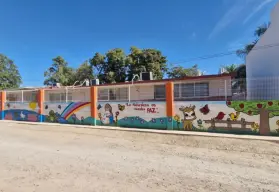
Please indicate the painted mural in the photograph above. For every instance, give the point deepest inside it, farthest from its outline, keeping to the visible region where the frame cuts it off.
(149, 115)
(21, 112)
(239, 117)
(68, 113)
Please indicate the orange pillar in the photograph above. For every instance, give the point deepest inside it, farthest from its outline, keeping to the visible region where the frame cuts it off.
(3, 100)
(94, 100)
(41, 99)
(170, 104)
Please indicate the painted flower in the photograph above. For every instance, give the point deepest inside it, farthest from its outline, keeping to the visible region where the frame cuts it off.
(117, 113)
(170, 119)
(277, 122)
(126, 118)
(162, 121)
(177, 118)
(137, 117)
(199, 122)
(132, 119)
(153, 120)
(100, 115)
(142, 121)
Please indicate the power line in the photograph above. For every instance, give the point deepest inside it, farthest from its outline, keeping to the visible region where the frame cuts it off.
(224, 54)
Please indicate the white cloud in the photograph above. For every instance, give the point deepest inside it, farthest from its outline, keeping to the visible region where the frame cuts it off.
(237, 10)
(257, 9)
(228, 18)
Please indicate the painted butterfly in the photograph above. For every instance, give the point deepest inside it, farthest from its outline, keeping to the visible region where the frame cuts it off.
(205, 110)
(46, 107)
(99, 107)
(121, 107)
(59, 106)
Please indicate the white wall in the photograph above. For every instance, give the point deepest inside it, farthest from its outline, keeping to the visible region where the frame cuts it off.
(263, 63)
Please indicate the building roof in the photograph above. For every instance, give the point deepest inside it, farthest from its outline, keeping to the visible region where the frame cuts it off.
(197, 78)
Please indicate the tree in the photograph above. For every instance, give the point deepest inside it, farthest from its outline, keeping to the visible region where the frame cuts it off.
(9, 74)
(111, 67)
(150, 60)
(258, 33)
(59, 72)
(261, 29)
(180, 72)
(266, 110)
(83, 72)
(116, 66)
(230, 68)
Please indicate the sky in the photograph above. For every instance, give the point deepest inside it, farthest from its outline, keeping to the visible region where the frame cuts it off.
(32, 32)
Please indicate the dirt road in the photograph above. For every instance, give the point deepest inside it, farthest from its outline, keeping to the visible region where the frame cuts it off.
(49, 158)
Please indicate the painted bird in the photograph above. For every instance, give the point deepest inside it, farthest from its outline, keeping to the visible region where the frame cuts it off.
(235, 116)
(205, 110)
(220, 116)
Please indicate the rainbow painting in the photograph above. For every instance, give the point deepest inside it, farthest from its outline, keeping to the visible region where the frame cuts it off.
(72, 108)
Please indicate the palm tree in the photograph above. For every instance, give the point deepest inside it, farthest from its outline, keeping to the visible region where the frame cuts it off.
(261, 29)
(246, 50)
(258, 33)
(230, 68)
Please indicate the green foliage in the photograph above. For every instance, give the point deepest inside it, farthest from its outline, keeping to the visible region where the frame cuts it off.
(9, 74)
(253, 107)
(116, 66)
(59, 72)
(258, 33)
(180, 72)
(230, 68)
(141, 60)
(111, 67)
(83, 72)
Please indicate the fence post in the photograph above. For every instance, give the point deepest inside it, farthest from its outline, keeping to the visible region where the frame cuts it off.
(3, 101)
(226, 91)
(41, 99)
(170, 104)
(94, 100)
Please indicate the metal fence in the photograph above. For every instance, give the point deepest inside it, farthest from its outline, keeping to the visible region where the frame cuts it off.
(204, 90)
(67, 94)
(133, 92)
(22, 96)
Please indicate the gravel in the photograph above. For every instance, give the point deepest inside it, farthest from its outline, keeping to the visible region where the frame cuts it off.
(56, 158)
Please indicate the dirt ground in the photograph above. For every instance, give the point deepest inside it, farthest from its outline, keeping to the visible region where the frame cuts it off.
(54, 158)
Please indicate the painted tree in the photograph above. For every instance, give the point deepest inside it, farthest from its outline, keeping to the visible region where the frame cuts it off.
(266, 110)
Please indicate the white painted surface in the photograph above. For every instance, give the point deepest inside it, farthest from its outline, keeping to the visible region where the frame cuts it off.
(263, 63)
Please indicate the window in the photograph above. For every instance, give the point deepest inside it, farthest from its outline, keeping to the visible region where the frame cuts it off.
(30, 96)
(113, 94)
(160, 92)
(60, 97)
(103, 94)
(201, 89)
(12, 97)
(176, 90)
(188, 90)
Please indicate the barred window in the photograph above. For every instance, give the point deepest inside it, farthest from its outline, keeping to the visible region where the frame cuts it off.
(201, 89)
(60, 97)
(113, 94)
(159, 91)
(188, 90)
